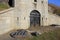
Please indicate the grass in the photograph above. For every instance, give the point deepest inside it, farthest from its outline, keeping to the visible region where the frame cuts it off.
(52, 35)
(3, 6)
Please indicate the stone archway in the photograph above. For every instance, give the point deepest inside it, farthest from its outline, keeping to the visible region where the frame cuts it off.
(35, 18)
(11, 3)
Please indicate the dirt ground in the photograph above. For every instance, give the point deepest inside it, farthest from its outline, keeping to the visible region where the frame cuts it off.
(40, 29)
(43, 29)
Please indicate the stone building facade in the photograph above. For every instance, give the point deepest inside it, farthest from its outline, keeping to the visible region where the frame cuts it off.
(31, 12)
(24, 14)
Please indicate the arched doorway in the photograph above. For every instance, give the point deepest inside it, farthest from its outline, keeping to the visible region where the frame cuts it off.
(11, 3)
(35, 18)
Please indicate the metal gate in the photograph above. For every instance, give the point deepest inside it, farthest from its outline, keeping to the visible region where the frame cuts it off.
(34, 18)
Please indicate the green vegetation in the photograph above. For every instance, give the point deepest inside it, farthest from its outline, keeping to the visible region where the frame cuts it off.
(3, 6)
(58, 12)
(52, 35)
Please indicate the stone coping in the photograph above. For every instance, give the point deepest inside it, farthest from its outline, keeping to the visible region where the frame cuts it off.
(4, 11)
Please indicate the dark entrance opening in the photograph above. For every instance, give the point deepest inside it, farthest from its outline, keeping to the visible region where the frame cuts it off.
(35, 0)
(35, 18)
(11, 3)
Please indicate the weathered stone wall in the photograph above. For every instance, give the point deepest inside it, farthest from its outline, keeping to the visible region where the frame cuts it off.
(6, 20)
(24, 8)
(19, 17)
(53, 19)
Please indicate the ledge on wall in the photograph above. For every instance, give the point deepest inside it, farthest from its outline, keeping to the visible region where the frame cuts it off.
(6, 10)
